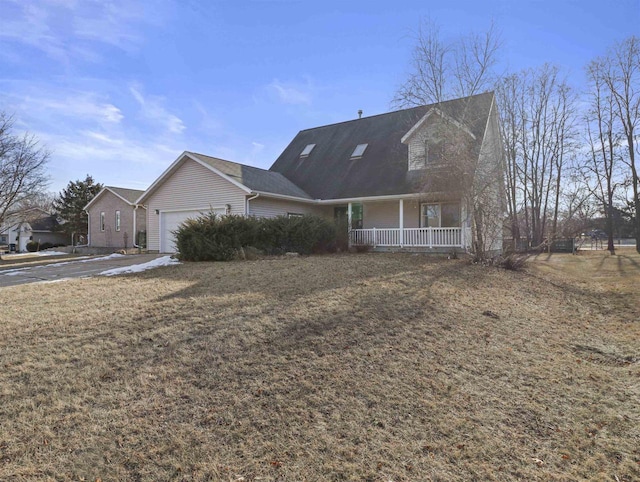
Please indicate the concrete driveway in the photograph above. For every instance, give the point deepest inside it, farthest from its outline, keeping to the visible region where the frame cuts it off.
(70, 268)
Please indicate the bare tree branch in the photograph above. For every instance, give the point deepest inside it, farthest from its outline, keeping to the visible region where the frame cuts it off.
(22, 167)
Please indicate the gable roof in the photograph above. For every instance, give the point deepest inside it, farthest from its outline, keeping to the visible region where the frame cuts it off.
(36, 218)
(45, 223)
(248, 178)
(329, 172)
(254, 178)
(127, 195)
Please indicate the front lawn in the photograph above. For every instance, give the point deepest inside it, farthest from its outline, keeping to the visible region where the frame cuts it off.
(367, 367)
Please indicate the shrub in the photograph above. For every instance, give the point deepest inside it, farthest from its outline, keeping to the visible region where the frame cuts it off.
(32, 246)
(513, 261)
(220, 238)
(141, 239)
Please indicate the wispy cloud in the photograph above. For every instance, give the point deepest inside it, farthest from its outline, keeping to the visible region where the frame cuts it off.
(292, 93)
(67, 30)
(152, 109)
(54, 105)
(116, 139)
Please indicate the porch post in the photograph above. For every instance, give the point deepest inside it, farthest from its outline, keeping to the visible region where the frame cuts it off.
(349, 212)
(401, 223)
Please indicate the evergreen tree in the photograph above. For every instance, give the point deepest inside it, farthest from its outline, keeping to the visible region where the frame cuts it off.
(69, 205)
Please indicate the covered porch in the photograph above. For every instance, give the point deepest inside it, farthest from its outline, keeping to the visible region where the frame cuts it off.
(412, 222)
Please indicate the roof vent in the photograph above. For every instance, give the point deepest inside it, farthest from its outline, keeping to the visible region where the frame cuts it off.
(359, 113)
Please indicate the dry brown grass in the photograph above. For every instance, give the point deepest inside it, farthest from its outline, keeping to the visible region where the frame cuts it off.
(353, 367)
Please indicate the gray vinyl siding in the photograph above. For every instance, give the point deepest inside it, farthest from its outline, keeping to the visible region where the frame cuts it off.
(418, 158)
(387, 214)
(190, 186)
(265, 207)
(490, 172)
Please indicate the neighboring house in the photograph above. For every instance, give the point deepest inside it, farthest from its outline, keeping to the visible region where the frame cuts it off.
(115, 219)
(414, 178)
(30, 225)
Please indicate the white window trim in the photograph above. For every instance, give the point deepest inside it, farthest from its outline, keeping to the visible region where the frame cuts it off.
(439, 204)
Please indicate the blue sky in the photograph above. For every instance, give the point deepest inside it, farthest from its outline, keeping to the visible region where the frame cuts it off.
(119, 88)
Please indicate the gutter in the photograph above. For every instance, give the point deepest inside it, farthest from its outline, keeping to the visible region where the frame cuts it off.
(325, 202)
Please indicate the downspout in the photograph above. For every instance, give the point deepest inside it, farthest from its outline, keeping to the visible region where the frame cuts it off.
(246, 209)
(88, 229)
(135, 232)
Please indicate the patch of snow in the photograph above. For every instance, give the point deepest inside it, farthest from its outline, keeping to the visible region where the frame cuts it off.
(12, 272)
(81, 259)
(138, 268)
(34, 254)
(84, 259)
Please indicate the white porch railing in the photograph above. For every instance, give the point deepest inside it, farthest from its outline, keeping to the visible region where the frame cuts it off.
(411, 237)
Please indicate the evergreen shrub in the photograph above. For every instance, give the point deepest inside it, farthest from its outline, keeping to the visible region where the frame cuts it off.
(213, 237)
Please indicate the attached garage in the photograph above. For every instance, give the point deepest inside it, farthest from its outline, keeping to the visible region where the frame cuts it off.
(170, 221)
(196, 184)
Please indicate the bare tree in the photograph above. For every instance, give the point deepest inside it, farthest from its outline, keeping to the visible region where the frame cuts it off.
(442, 70)
(510, 93)
(577, 204)
(622, 77)
(602, 170)
(460, 68)
(539, 114)
(22, 167)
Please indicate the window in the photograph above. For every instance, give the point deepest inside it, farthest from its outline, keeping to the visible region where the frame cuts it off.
(294, 215)
(359, 151)
(433, 152)
(102, 221)
(307, 150)
(450, 213)
(3, 239)
(356, 216)
(117, 220)
(444, 215)
(430, 217)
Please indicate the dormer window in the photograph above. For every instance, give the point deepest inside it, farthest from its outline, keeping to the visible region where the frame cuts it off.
(307, 150)
(359, 151)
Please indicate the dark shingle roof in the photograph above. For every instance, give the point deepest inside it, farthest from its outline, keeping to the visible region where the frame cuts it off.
(254, 178)
(130, 195)
(44, 223)
(329, 173)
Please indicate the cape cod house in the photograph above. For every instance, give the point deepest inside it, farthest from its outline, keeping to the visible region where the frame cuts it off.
(419, 178)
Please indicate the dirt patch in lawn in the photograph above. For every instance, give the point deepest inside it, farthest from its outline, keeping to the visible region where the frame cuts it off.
(350, 367)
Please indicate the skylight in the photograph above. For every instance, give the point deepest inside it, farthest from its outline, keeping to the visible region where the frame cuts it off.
(359, 151)
(307, 150)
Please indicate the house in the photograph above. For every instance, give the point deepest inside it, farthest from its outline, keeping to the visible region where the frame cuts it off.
(115, 219)
(427, 178)
(33, 224)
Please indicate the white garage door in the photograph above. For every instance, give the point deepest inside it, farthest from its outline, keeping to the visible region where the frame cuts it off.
(170, 221)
